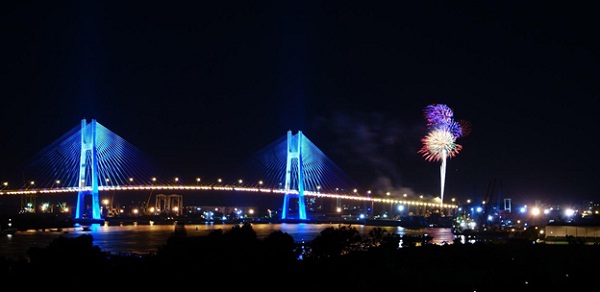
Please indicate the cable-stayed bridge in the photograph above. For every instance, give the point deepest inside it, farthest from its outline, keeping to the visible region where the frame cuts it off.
(90, 159)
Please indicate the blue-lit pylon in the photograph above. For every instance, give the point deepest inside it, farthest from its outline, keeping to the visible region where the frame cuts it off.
(88, 173)
(294, 155)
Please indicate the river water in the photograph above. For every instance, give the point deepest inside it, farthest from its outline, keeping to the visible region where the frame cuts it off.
(144, 239)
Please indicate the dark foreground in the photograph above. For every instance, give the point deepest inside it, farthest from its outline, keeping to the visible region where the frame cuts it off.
(339, 259)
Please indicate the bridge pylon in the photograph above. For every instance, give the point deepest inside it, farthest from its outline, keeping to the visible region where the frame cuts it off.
(294, 162)
(88, 175)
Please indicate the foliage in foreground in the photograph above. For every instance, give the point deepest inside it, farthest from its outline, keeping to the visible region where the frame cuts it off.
(338, 259)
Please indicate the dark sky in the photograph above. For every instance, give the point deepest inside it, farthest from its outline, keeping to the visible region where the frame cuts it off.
(202, 85)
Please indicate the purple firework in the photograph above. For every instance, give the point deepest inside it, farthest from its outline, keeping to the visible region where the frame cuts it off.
(438, 115)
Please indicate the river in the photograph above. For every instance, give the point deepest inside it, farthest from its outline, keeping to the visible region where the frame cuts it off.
(144, 239)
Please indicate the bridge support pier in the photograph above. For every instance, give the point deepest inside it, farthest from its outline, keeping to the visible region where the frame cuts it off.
(88, 175)
(294, 162)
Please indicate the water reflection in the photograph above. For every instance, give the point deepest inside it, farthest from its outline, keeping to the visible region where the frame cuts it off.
(147, 238)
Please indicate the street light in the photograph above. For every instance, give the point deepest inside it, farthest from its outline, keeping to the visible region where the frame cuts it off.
(105, 203)
(372, 203)
(454, 211)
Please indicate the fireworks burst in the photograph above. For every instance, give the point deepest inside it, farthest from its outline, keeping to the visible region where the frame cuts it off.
(438, 114)
(440, 142)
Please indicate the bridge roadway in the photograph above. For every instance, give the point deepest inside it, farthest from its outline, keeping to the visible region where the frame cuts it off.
(378, 200)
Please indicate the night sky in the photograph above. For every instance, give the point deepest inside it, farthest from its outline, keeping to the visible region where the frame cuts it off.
(202, 85)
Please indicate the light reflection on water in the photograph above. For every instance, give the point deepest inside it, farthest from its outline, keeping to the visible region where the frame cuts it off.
(145, 238)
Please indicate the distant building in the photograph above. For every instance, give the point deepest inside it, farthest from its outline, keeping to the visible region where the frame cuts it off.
(584, 230)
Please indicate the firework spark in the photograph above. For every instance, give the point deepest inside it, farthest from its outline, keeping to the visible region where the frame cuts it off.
(438, 144)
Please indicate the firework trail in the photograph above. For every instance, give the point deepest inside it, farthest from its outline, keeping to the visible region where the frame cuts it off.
(440, 142)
